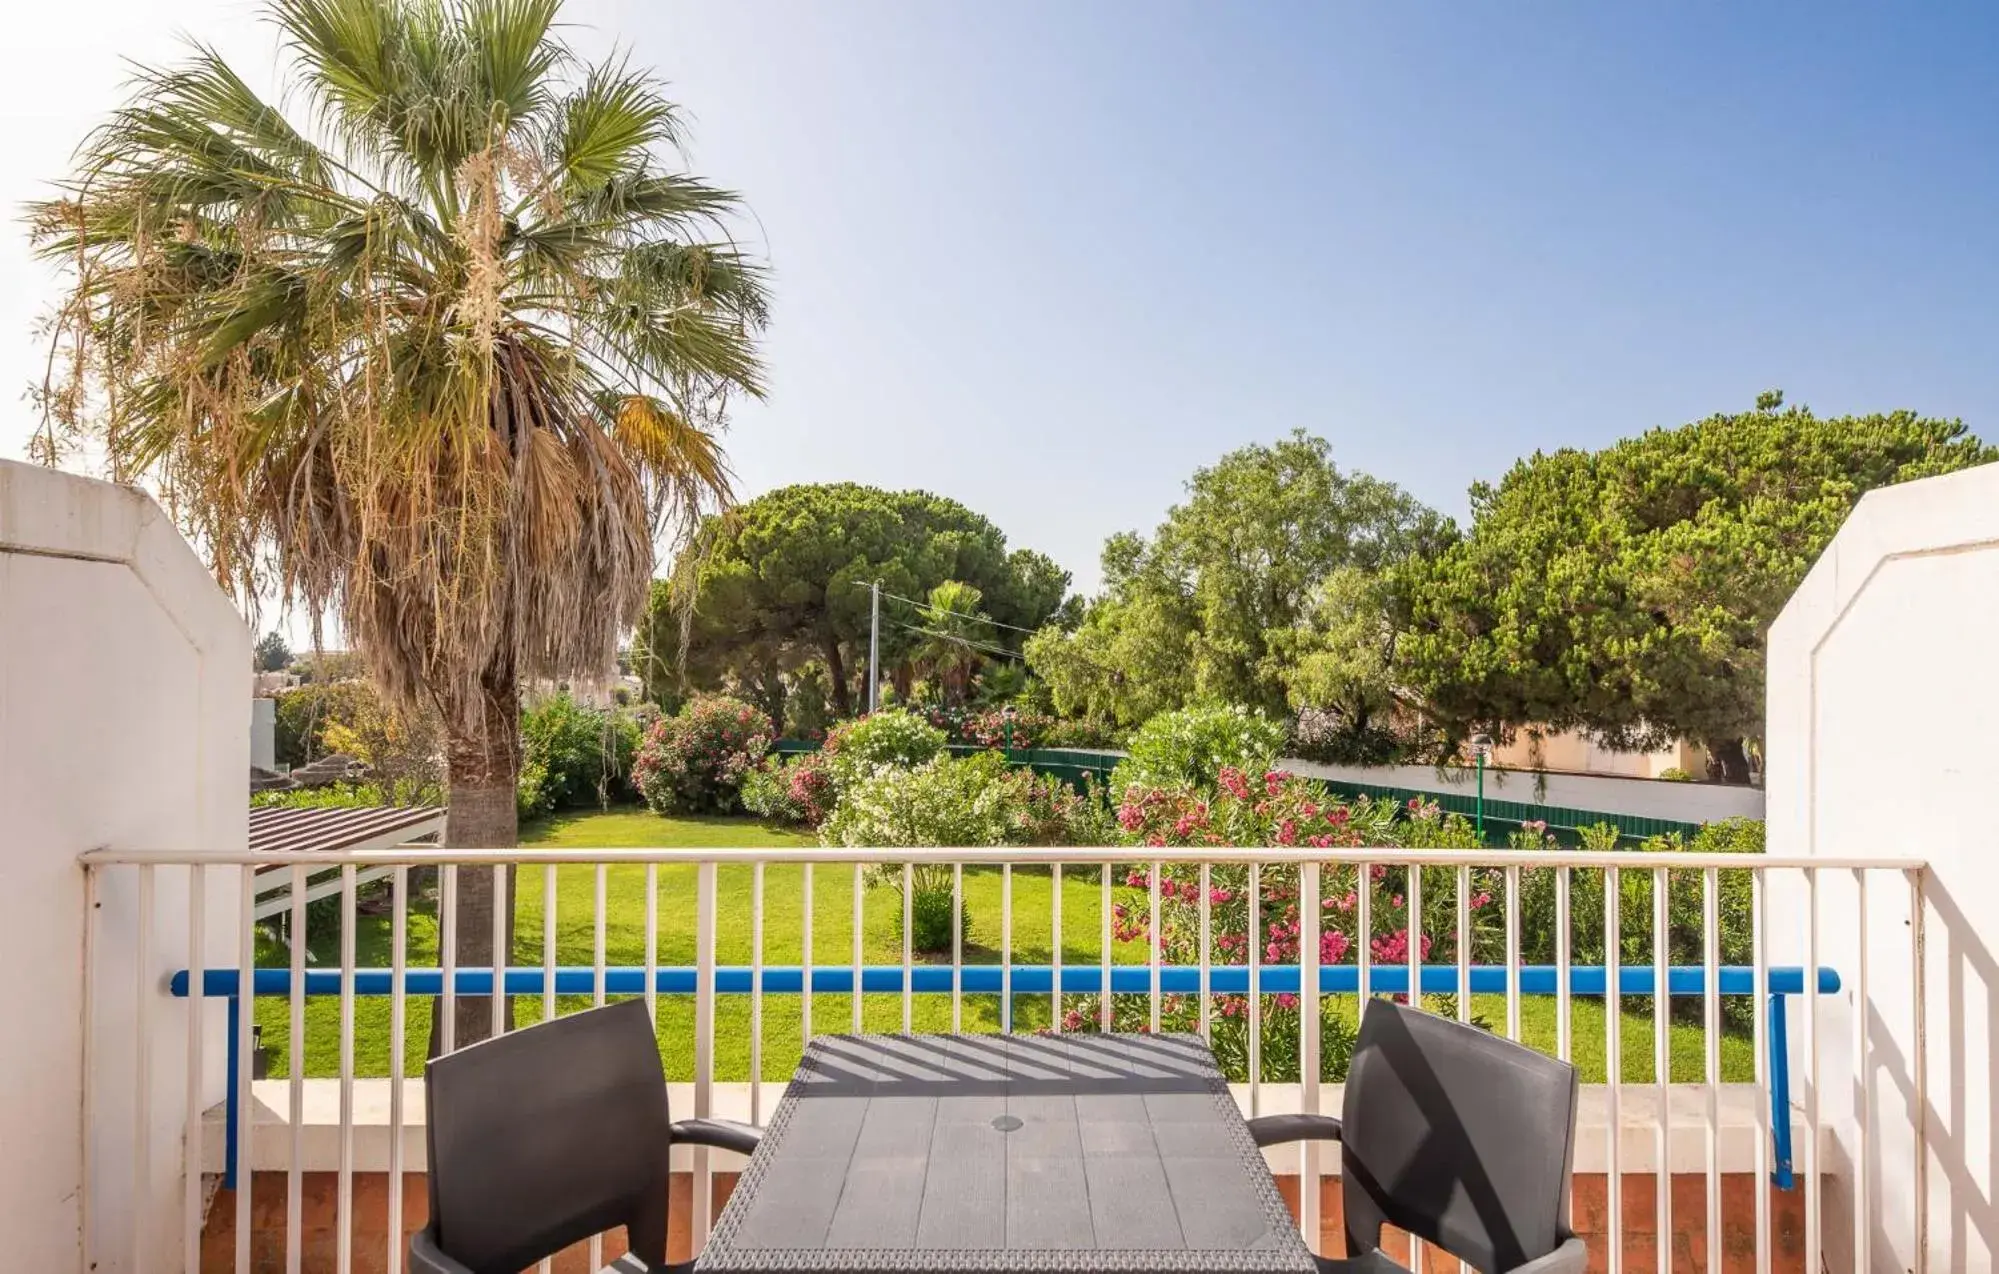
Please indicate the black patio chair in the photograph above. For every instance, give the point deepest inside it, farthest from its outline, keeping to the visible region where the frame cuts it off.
(1454, 1134)
(549, 1135)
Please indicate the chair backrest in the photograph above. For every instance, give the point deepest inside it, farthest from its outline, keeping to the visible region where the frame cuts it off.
(548, 1135)
(1457, 1136)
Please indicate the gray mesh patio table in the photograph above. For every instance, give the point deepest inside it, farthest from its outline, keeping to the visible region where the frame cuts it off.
(1119, 1153)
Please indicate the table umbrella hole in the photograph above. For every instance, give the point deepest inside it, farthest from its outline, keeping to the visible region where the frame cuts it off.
(1006, 1123)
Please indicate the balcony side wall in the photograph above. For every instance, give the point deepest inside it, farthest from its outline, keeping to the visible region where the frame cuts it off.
(124, 705)
(1883, 738)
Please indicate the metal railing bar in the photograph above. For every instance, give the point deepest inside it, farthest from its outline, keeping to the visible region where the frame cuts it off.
(343, 1245)
(1015, 855)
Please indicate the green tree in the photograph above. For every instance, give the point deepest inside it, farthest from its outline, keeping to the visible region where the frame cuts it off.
(1127, 661)
(782, 580)
(442, 350)
(1628, 591)
(1192, 612)
(272, 654)
(1339, 660)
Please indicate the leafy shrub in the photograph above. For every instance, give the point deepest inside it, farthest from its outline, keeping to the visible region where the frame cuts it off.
(332, 796)
(694, 762)
(1188, 747)
(794, 790)
(303, 713)
(987, 728)
(1076, 734)
(946, 801)
(1674, 774)
(401, 750)
(890, 737)
(574, 755)
(930, 920)
(1048, 811)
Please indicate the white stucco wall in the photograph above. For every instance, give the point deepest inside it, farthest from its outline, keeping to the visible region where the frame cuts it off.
(1642, 798)
(124, 688)
(1883, 737)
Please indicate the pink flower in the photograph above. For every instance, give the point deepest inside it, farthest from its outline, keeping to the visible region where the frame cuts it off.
(1395, 900)
(1481, 899)
(1273, 782)
(1286, 1000)
(1333, 946)
(1234, 782)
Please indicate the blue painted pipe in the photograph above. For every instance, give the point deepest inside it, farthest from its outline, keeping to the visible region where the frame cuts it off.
(1028, 979)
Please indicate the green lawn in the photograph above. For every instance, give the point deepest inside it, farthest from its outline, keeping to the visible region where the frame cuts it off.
(832, 933)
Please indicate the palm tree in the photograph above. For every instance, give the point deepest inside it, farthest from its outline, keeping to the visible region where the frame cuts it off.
(441, 354)
(953, 624)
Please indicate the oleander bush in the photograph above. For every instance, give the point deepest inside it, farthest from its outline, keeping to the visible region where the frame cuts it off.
(1188, 747)
(891, 737)
(694, 762)
(797, 790)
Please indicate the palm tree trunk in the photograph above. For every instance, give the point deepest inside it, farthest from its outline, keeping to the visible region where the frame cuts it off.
(482, 767)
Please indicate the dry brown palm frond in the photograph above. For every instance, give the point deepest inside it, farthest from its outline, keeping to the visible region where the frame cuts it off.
(445, 357)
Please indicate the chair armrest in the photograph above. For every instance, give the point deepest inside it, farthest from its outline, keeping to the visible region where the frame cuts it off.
(725, 1134)
(427, 1258)
(1277, 1130)
(1570, 1258)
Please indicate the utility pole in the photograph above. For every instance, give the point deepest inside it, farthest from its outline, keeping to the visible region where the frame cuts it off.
(874, 642)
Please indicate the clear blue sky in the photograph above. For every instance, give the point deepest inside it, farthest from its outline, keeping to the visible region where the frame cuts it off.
(1047, 258)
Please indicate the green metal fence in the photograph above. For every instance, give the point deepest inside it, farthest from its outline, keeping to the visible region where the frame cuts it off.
(1077, 766)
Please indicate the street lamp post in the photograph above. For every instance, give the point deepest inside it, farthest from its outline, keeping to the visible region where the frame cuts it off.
(1481, 746)
(1007, 715)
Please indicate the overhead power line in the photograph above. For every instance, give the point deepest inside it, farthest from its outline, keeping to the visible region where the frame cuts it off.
(939, 610)
(984, 647)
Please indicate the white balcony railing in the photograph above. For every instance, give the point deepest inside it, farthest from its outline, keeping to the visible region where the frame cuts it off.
(216, 1130)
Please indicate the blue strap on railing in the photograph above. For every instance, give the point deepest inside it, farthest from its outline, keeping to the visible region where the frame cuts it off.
(1034, 979)
(230, 1112)
(1780, 1092)
(1027, 979)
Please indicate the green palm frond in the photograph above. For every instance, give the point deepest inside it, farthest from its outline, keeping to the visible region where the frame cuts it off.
(442, 350)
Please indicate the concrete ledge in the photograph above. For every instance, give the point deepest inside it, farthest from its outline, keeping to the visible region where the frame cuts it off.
(271, 1130)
